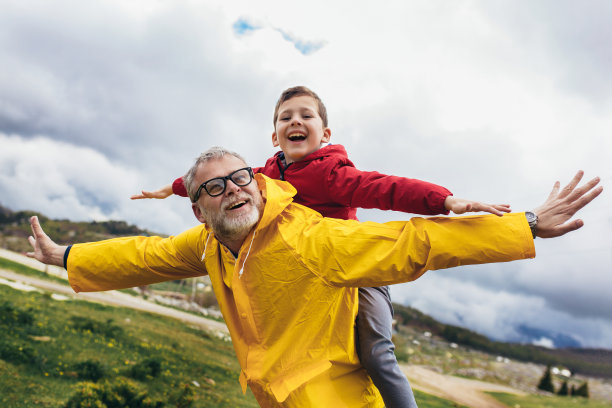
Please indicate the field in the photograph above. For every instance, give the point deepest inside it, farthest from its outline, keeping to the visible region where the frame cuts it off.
(58, 352)
(48, 346)
(53, 350)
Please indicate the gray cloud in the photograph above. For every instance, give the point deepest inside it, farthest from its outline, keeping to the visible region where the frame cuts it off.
(574, 36)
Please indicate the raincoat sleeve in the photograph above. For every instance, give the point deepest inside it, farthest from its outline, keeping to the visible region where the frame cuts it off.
(134, 261)
(370, 189)
(349, 253)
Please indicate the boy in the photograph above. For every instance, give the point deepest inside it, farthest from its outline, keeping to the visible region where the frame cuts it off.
(328, 182)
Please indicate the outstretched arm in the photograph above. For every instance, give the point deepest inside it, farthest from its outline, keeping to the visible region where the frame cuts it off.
(562, 204)
(161, 193)
(45, 249)
(461, 206)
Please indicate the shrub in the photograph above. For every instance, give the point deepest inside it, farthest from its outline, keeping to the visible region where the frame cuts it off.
(146, 369)
(183, 397)
(121, 393)
(564, 390)
(107, 329)
(12, 316)
(546, 383)
(583, 390)
(90, 370)
(17, 352)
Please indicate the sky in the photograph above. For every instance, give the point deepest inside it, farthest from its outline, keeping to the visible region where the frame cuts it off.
(495, 100)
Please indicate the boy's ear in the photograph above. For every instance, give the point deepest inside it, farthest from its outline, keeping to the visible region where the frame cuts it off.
(326, 135)
(275, 140)
(198, 213)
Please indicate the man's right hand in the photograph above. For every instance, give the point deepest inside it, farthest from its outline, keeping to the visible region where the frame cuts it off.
(45, 250)
(561, 205)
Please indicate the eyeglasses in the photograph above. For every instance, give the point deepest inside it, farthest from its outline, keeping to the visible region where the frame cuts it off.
(216, 186)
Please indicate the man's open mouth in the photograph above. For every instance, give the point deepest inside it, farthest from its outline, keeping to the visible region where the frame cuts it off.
(296, 137)
(236, 205)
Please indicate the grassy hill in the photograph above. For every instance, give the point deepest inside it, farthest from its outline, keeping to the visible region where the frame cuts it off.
(51, 350)
(15, 228)
(57, 352)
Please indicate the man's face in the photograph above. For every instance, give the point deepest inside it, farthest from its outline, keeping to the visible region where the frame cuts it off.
(299, 129)
(232, 214)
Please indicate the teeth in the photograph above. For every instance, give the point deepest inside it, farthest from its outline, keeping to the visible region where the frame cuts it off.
(294, 136)
(237, 204)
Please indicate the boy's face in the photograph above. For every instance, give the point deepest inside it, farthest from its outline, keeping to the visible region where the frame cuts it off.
(299, 129)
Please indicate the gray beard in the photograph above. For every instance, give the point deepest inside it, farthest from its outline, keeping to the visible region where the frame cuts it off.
(233, 229)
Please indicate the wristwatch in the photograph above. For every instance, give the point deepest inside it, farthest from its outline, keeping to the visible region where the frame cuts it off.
(532, 220)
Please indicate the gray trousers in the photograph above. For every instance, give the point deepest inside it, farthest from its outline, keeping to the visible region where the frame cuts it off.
(375, 348)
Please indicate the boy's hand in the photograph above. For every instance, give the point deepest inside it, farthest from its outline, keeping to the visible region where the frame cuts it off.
(165, 191)
(561, 205)
(461, 206)
(45, 250)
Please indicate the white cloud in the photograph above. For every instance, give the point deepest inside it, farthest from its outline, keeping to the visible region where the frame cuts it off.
(78, 183)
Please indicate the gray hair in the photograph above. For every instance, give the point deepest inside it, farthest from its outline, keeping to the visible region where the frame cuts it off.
(214, 153)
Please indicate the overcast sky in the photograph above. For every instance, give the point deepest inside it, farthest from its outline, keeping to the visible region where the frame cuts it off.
(495, 100)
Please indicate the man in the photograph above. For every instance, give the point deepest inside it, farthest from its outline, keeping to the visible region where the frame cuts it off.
(286, 278)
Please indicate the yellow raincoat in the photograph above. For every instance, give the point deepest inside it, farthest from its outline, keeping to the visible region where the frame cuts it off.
(289, 299)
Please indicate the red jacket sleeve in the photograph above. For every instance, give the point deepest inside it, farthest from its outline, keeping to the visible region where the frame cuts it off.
(370, 189)
(178, 188)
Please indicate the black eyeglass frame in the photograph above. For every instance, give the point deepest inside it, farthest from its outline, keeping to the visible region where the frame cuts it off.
(224, 179)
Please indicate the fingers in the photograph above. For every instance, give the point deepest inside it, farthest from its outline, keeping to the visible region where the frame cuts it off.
(37, 230)
(579, 192)
(32, 242)
(585, 199)
(555, 191)
(572, 184)
(565, 228)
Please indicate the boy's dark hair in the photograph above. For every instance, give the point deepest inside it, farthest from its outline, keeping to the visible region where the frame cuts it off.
(300, 91)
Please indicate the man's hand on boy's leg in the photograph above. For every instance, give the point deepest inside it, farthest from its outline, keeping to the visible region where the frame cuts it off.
(461, 206)
(165, 191)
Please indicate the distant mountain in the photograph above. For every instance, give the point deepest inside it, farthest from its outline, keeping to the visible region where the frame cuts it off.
(594, 362)
(545, 338)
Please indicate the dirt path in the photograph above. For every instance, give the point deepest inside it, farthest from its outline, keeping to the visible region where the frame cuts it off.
(466, 392)
(116, 298)
(463, 391)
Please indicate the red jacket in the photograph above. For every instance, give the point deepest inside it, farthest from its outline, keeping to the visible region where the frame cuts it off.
(328, 182)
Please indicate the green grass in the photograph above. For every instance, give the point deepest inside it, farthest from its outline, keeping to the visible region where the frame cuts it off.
(26, 270)
(47, 347)
(429, 401)
(545, 401)
(50, 348)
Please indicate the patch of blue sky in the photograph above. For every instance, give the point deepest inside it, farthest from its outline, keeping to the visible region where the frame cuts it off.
(243, 26)
(305, 47)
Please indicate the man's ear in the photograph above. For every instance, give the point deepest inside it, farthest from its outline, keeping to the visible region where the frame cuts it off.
(275, 140)
(198, 213)
(326, 135)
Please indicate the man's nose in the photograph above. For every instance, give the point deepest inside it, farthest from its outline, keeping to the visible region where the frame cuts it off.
(232, 187)
(296, 120)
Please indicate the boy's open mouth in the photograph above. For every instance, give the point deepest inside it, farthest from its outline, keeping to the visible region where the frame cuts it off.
(296, 137)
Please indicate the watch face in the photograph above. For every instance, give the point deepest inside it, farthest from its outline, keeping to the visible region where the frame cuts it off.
(531, 217)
